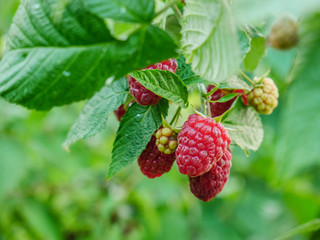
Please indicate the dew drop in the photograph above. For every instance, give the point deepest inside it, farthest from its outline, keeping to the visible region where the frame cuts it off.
(67, 74)
(110, 80)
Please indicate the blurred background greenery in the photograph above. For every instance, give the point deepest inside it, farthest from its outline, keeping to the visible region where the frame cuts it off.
(47, 193)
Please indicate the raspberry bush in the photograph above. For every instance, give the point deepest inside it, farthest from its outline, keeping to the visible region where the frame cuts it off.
(183, 78)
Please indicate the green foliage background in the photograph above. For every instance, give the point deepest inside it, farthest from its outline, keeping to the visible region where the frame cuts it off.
(47, 193)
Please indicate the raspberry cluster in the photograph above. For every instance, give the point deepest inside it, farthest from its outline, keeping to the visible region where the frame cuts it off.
(264, 97)
(202, 142)
(203, 154)
(144, 96)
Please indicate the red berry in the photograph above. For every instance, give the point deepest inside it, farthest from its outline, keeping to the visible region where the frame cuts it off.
(202, 142)
(144, 96)
(154, 163)
(217, 109)
(120, 112)
(208, 185)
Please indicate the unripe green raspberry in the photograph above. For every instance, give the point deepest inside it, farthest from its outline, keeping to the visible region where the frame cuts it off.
(166, 140)
(264, 98)
(284, 33)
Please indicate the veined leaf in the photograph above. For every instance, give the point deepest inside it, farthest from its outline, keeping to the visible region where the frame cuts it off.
(246, 125)
(163, 83)
(134, 133)
(56, 56)
(209, 40)
(235, 82)
(138, 11)
(97, 110)
(184, 69)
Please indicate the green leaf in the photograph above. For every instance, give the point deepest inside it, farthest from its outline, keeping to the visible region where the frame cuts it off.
(235, 83)
(244, 43)
(95, 113)
(163, 83)
(7, 10)
(247, 128)
(121, 30)
(173, 27)
(184, 69)
(134, 133)
(308, 227)
(138, 11)
(244, 14)
(299, 130)
(209, 40)
(194, 80)
(58, 55)
(257, 49)
(227, 97)
(41, 219)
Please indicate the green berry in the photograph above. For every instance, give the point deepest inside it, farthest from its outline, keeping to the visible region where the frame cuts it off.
(284, 34)
(166, 132)
(163, 140)
(167, 151)
(158, 134)
(161, 147)
(173, 144)
(264, 97)
(166, 140)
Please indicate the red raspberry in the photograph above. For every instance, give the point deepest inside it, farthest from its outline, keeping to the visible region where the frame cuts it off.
(202, 142)
(154, 163)
(120, 112)
(208, 185)
(216, 108)
(144, 96)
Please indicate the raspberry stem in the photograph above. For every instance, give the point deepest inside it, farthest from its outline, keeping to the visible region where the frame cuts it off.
(165, 8)
(175, 117)
(177, 11)
(247, 78)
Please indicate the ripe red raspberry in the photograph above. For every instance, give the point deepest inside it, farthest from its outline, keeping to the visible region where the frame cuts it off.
(202, 142)
(154, 163)
(120, 112)
(216, 108)
(208, 185)
(144, 96)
